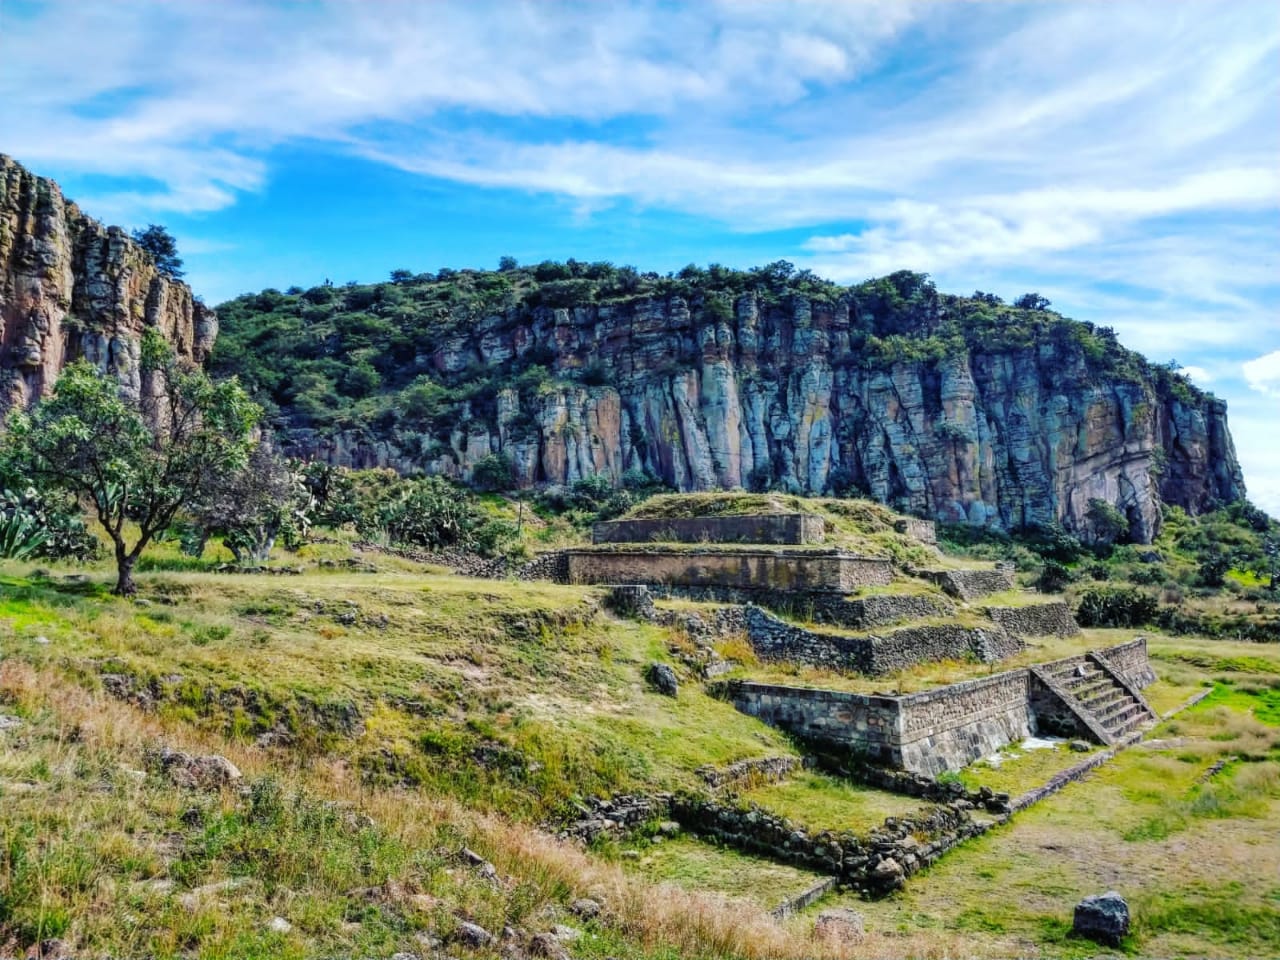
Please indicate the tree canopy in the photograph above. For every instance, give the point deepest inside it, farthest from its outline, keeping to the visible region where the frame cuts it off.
(159, 242)
(137, 461)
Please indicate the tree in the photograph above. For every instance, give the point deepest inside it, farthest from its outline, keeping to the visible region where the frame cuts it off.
(135, 460)
(507, 264)
(1106, 523)
(494, 472)
(1032, 301)
(255, 506)
(159, 242)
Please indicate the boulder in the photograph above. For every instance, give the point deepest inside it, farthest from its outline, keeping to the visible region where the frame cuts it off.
(1081, 746)
(472, 935)
(585, 908)
(888, 874)
(211, 772)
(546, 945)
(1103, 918)
(840, 927)
(663, 679)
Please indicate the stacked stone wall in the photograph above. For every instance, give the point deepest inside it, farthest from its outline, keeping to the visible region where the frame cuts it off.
(774, 639)
(865, 725)
(949, 728)
(780, 570)
(1052, 619)
(780, 528)
(972, 584)
(1131, 662)
(923, 530)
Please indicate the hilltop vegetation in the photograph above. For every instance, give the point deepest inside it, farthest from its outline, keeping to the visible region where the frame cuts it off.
(359, 357)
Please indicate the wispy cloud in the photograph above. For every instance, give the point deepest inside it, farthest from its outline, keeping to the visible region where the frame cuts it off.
(1120, 157)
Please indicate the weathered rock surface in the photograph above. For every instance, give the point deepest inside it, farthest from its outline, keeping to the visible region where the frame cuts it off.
(782, 394)
(663, 679)
(1103, 918)
(71, 288)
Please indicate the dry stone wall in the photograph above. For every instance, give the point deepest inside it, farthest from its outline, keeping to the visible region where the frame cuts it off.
(949, 728)
(1036, 620)
(972, 584)
(775, 639)
(733, 569)
(780, 528)
(1131, 662)
(933, 731)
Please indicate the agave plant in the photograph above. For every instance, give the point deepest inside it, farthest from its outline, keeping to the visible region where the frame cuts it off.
(22, 532)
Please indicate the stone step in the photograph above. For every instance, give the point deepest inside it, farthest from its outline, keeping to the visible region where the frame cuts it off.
(1102, 699)
(1130, 725)
(1120, 714)
(1092, 686)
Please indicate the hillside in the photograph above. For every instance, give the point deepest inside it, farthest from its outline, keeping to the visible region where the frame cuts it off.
(386, 715)
(956, 408)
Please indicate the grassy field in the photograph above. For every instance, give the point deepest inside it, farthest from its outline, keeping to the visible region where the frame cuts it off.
(1195, 852)
(384, 720)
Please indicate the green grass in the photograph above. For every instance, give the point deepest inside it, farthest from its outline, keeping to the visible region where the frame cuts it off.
(1020, 770)
(695, 865)
(820, 802)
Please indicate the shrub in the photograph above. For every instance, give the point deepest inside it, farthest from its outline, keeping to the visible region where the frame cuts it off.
(1116, 608)
(494, 472)
(1053, 578)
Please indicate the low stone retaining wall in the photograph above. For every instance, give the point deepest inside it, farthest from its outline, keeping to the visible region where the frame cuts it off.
(873, 865)
(747, 772)
(775, 639)
(929, 732)
(739, 569)
(949, 728)
(778, 528)
(972, 584)
(1051, 619)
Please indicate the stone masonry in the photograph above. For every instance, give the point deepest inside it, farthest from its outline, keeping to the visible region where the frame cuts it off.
(933, 731)
(874, 655)
(796, 570)
(775, 528)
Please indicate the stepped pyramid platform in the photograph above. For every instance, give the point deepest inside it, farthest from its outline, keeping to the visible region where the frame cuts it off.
(1094, 695)
(803, 604)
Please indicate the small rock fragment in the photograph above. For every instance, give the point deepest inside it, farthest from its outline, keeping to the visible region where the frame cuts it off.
(9, 723)
(585, 908)
(279, 925)
(1080, 746)
(546, 945)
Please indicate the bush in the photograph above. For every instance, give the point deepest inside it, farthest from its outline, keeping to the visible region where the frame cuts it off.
(1053, 578)
(1116, 608)
(494, 472)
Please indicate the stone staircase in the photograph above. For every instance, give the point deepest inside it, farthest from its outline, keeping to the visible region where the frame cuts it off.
(1112, 709)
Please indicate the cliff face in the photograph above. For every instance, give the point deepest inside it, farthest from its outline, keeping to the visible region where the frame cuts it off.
(72, 288)
(784, 395)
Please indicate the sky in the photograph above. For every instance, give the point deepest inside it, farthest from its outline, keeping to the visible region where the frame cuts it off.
(1120, 158)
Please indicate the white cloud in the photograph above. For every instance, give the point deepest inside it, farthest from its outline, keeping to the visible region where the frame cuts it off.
(1199, 375)
(1263, 373)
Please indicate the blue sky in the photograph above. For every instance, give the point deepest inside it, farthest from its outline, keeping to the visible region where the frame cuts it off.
(1121, 158)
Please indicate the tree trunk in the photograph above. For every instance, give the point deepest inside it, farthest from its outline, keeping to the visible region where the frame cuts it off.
(125, 587)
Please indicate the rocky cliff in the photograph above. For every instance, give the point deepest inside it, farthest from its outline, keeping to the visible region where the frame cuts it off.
(72, 288)
(959, 409)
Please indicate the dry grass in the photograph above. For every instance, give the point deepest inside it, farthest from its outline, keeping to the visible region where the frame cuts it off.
(641, 919)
